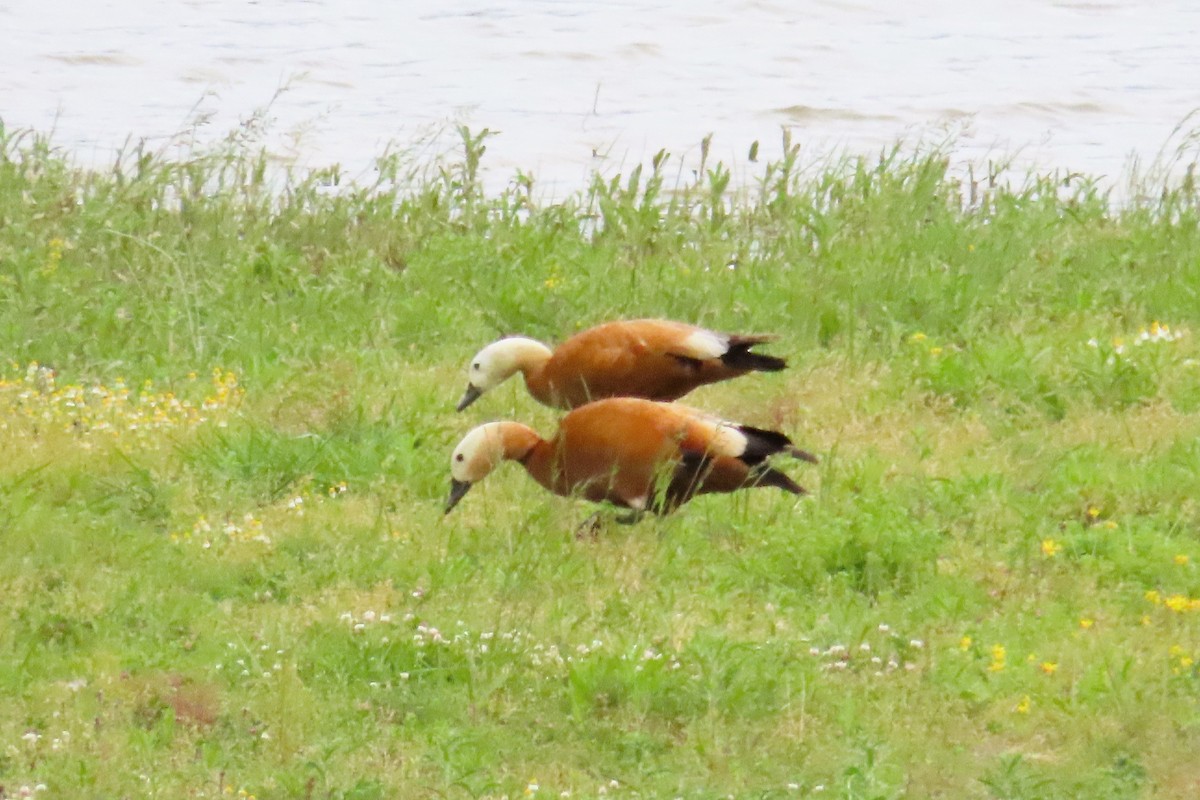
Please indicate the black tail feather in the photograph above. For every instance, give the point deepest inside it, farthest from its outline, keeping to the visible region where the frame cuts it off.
(739, 355)
(762, 443)
(769, 476)
(803, 455)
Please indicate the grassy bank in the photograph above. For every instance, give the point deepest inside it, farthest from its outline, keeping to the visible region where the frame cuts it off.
(226, 409)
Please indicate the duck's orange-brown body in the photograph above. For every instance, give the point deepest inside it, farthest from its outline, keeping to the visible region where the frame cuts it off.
(651, 359)
(653, 456)
(647, 358)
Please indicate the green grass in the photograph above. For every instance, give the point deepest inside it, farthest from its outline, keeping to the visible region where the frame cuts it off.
(236, 579)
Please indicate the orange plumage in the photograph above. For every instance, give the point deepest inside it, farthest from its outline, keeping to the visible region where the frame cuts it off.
(651, 359)
(634, 453)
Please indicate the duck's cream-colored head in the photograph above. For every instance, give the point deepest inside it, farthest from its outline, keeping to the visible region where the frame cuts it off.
(498, 362)
(481, 450)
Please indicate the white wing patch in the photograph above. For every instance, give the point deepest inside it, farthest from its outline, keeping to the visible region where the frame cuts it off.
(727, 440)
(724, 437)
(705, 345)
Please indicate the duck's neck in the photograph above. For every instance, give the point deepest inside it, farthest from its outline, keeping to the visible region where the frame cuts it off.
(540, 462)
(522, 444)
(518, 441)
(529, 357)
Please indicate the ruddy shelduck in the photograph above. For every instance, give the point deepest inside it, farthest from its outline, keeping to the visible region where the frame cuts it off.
(649, 358)
(634, 453)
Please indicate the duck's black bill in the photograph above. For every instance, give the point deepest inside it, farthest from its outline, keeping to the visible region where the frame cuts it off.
(469, 396)
(458, 490)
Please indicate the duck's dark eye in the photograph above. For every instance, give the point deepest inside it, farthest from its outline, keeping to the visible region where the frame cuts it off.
(458, 457)
(475, 365)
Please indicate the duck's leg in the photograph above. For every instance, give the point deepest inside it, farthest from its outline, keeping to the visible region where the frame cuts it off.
(590, 528)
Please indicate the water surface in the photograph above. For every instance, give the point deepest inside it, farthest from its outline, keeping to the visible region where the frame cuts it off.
(578, 86)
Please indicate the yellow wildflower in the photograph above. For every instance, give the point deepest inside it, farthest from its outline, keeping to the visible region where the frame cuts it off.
(1093, 512)
(917, 337)
(1152, 596)
(53, 257)
(1181, 559)
(1050, 548)
(1049, 667)
(964, 643)
(1177, 603)
(1108, 523)
(1086, 623)
(1186, 661)
(1024, 706)
(935, 351)
(998, 656)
